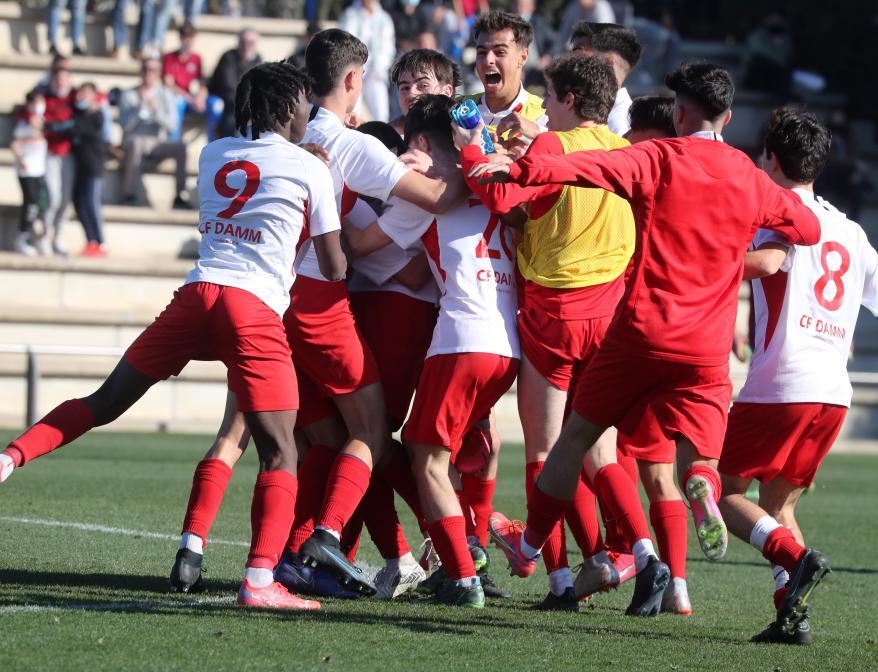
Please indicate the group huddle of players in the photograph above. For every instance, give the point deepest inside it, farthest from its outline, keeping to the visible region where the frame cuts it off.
(356, 282)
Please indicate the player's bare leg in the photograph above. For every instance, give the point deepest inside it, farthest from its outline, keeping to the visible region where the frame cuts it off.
(669, 519)
(445, 524)
(702, 486)
(74, 417)
(209, 483)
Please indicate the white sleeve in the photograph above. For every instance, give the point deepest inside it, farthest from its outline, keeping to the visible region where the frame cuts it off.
(370, 168)
(322, 214)
(869, 260)
(404, 222)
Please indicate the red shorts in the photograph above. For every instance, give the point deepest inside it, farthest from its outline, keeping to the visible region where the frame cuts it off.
(212, 322)
(312, 406)
(398, 330)
(648, 443)
(321, 330)
(454, 392)
(765, 441)
(620, 388)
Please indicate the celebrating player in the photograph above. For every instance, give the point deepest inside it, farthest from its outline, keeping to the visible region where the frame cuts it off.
(419, 72)
(256, 193)
(667, 351)
(793, 404)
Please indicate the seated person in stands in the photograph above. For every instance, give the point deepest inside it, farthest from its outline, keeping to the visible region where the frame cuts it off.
(181, 71)
(148, 114)
(232, 64)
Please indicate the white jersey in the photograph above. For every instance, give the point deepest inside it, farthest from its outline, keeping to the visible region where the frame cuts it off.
(259, 198)
(374, 272)
(493, 118)
(806, 313)
(358, 163)
(472, 258)
(34, 150)
(619, 122)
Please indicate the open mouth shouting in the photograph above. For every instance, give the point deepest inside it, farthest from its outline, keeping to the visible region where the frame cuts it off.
(493, 80)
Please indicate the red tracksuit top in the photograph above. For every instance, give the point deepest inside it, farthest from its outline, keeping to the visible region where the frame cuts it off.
(697, 204)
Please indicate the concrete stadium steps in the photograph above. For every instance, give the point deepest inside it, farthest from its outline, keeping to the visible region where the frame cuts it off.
(24, 31)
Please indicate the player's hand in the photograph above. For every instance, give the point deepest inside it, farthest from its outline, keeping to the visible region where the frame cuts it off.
(495, 170)
(467, 136)
(520, 128)
(317, 151)
(416, 160)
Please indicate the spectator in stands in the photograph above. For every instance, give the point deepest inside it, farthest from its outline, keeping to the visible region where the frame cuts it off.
(368, 21)
(90, 155)
(544, 46)
(29, 148)
(60, 98)
(77, 24)
(768, 57)
(410, 24)
(148, 114)
(232, 64)
(155, 15)
(181, 71)
(592, 11)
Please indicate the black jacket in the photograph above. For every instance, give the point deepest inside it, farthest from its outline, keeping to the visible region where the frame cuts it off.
(228, 71)
(89, 147)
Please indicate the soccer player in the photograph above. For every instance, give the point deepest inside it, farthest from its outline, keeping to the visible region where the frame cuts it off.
(651, 118)
(320, 322)
(620, 47)
(792, 406)
(666, 353)
(575, 247)
(473, 357)
(422, 71)
(256, 193)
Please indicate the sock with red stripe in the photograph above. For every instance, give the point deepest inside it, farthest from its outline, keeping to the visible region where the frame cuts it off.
(379, 513)
(554, 550)
(271, 515)
(449, 539)
(347, 484)
(618, 495)
(480, 496)
(63, 424)
(544, 512)
(313, 474)
(781, 548)
(208, 488)
(582, 519)
(709, 474)
(670, 522)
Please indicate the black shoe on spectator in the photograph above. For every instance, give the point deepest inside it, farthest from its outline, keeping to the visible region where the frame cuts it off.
(130, 201)
(181, 204)
(79, 51)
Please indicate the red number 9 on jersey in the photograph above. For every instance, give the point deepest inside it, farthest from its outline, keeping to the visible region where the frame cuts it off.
(239, 197)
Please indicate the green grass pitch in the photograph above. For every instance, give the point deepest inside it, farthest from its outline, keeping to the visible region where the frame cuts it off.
(76, 599)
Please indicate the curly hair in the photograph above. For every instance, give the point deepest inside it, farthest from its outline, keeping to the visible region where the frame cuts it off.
(267, 95)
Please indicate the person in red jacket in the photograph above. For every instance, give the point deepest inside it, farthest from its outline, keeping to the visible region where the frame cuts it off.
(697, 204)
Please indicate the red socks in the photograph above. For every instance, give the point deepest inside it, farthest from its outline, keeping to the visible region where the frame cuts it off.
(544, 512)
(397, 471)
(582, 519)
(449, 539)
(313, 475)
(479, 496)
(348, 482)
(379, 513)
(670, 521)
(618, 495)
(709, 474)
(65, 423)
(781, 548)
(554, 551)
(467, 512)
(271, 515)
(208, 488)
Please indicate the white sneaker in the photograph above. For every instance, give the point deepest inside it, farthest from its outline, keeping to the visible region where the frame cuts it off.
(58, 248)
(675, 599)
(6, 467)
(43, 246)
(401, 577)
(23, 246)
(596, 574)
(429, 561)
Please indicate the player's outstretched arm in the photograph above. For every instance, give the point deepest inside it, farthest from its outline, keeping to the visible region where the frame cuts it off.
(765, 261)
(433, 195)
(330, 257)
(783, 211)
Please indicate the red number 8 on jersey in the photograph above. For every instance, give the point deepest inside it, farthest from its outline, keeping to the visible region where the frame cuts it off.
(240, 197)
(832, 276)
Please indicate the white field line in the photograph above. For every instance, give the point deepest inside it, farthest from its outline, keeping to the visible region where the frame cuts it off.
(121, 531)
(115, 606)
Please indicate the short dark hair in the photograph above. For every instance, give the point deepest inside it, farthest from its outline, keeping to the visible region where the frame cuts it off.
(611, 38)
(427, 60)
(799, 141)
(267, 94)
(497, 20)
(328, 54)
(31, 95)
(88, 85)
(653, 113)
(430, 115)
(386, 134)
(705, 85)
(187, 30)
(591, 81)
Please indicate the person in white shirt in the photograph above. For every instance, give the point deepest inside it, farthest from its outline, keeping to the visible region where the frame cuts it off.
(30, 149)
(793, 403)
(473, 357)
(619, 46)
(257, 193)
(370, 23)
